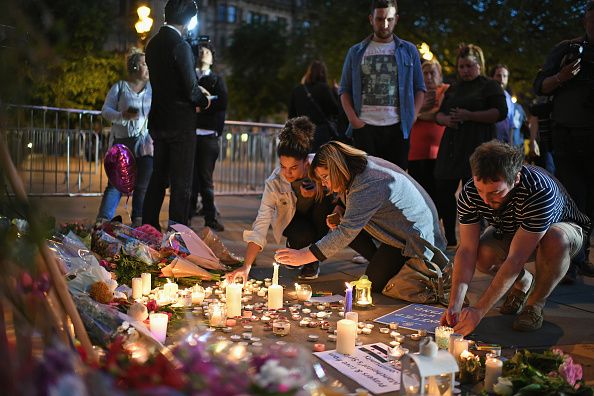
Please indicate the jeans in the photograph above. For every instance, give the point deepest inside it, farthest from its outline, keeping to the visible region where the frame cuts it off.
(207, 152)
(385, 261)
(111, 196)
(385, 142)
(173, 167)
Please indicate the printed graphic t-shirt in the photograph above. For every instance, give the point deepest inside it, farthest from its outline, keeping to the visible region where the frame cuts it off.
(379, 85)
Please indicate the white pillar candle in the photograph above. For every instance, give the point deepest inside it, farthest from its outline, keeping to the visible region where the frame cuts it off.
(170, 290)
(146, 283)
(275, 297)
(275, 274)
(459, 347)
(346, 336)
(136, 288)
(158, 326)
(233, 296)
(493, 370)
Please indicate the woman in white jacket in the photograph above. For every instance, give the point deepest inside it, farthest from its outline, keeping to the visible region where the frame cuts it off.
(288, 203)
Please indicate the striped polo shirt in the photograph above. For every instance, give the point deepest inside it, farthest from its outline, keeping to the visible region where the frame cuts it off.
(538, 201)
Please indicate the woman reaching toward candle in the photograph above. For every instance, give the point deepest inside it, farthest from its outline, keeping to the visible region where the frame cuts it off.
(288, 203)
(380, 203)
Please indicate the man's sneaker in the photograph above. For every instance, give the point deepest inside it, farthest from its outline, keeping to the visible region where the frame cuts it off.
(310, 271)
(358, 259)
(215, 225)
(515, 300)
(529, 319)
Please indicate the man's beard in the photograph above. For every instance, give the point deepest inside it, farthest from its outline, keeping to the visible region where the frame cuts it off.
(384, 34)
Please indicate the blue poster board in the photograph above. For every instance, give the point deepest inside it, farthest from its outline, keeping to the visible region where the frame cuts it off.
(415, 317)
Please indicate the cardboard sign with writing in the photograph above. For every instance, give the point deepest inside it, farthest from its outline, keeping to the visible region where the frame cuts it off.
(415, 317)
(368, 366)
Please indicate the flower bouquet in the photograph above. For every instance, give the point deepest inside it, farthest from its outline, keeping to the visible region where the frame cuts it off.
(549, 373)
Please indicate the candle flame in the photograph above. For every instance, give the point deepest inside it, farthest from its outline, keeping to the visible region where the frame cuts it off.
(348, 285)
(466, 355)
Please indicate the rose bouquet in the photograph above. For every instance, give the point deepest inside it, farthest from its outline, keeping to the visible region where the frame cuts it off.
(549, 373)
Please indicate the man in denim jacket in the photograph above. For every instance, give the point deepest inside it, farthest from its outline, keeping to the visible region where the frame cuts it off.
(382, 88)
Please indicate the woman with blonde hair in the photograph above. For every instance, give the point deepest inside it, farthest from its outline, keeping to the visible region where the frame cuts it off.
(288, 203)
(426, 134)
(469, 111)
(383, 214)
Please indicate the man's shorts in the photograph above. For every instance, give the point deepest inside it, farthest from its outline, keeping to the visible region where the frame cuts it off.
(573, 232)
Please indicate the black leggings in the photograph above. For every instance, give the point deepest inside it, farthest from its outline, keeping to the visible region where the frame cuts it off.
(307, 228)
(385, 261)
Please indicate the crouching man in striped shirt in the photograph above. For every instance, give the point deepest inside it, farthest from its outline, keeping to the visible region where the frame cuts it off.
(530, 217)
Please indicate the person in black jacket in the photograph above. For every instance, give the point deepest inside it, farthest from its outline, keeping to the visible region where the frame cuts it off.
(314, 98)
(209, 127)
(172, 120)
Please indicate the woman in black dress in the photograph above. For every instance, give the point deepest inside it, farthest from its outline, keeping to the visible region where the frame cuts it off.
(469, 111)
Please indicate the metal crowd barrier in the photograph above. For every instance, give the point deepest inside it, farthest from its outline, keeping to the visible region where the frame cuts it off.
(60, 152)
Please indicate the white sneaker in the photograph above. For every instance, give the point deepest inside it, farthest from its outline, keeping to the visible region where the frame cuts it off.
(358, 259)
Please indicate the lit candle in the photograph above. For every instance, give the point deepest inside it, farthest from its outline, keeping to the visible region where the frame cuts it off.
(493, 370)
(275, 274)
(442, 336)
(348, 298)
(346, 336)
(146, 283)
(217, 316)
(452, 342)
(158, 326)
(303, 292)
(460, 346)
(170, 290)
(198, 294)
(234, 299)
(136, 288)
(275, 297)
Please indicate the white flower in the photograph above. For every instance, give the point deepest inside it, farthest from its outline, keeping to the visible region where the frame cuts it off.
(503, 387)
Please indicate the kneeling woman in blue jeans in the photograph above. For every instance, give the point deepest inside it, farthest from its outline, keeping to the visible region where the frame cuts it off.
(127, 106)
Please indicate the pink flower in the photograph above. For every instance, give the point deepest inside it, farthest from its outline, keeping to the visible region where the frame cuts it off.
(104, 263)
(570, 371)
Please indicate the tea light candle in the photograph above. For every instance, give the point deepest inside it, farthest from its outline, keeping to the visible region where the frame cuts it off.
(158, 325)
(136, 288)
(366, 330)
(313, 337)
(306, 311)
(393, 326)
(369, 326)
(384, 330)
(281, 327)
(303, 323)
(267, 282)
(347, 334)
(246, 336)
(332, 337)
(394, 334)
(442, 336)
(198, 295)
(233, 294)
(319, 347)
(303, 293)
(493, 370)
(146, 283)
(231, 322)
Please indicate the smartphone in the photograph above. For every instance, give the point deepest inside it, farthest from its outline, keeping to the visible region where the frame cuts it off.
(133, 110)
(333, 219)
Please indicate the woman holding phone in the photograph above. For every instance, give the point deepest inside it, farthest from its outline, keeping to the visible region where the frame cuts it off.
(385, 215)
(127, 106)
(289, 202)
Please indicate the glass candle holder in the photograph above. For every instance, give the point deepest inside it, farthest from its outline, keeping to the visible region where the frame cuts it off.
(303, 292)
(281, 327)
(217, 314)
(442, 336)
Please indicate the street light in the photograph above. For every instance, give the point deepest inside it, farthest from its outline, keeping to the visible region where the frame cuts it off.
(144, 24)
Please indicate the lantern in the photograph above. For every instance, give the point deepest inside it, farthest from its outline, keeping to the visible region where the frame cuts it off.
(362, 292)
(429, 372)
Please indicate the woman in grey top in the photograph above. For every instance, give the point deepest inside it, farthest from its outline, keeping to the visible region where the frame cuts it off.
(385, 215)
(127, 106)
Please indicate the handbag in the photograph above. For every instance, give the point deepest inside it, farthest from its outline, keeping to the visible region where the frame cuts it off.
(421, 281)
(332, 125)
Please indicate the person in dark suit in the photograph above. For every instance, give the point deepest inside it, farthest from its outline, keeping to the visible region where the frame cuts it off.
(172, 120)
(209, 127)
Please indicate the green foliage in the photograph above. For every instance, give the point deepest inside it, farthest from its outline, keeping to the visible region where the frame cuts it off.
(78, 82)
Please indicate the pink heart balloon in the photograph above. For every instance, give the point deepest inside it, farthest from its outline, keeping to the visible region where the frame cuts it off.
(120, 168)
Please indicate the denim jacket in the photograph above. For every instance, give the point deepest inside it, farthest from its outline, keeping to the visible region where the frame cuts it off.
(410, 79)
